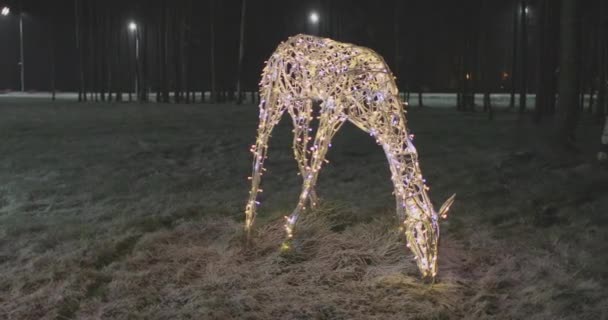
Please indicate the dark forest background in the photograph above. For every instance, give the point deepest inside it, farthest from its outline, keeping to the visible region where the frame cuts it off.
(192, 46)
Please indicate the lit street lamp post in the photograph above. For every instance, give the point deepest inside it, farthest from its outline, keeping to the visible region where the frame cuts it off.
(313, 19)
(22, 62)
(133, 29)
(5, 11)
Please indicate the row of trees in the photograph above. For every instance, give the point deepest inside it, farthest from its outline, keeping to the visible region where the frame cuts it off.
(570, 63)
(175, 54)
(172, 43)
(589, 44)
(155, 55)
(555, 48)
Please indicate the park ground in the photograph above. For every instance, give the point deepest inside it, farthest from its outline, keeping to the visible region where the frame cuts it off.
(135, 211)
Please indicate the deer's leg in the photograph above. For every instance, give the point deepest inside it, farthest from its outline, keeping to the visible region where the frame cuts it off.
(270, 114)
(301, 115)
(328, 125)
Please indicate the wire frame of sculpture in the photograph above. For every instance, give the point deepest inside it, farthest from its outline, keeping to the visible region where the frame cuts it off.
(353, 83)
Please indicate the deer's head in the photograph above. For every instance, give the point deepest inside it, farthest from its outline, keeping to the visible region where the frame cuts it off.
(422, 230)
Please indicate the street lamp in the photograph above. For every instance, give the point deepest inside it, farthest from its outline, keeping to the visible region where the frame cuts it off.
(133, 29)
(313, 17)
(5, 11)
(313, 22)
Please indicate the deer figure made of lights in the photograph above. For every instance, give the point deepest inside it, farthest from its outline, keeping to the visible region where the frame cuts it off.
(353, 83)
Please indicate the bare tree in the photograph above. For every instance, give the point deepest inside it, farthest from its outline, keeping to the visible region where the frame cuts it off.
(569, 76)
(110, 30)
(483, 65)
(602, 56)
(178, 41)
(514, 55)
(165, 52)
(524, 57)
(547, 57)
(213, 93)
(396, 35)
(602, 155)
(239, 71)
(51, 23)
(186, 49)
(78, 37)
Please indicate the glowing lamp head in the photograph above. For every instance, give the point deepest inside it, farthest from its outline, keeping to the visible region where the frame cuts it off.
(313, 17)
(5, 11)
(132, 26)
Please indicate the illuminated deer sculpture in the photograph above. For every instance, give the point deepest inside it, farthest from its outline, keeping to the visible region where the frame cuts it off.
(353, 83)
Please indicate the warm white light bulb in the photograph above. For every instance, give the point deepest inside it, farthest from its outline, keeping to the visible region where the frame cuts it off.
(5, 11)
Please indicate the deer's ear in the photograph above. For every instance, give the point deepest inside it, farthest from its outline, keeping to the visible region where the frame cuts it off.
(445, 207)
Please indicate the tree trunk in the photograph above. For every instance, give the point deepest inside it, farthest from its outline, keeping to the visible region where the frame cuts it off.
(591, 98)
(483, 65)
(101, 26)
(92, 52)
(397, 35)
(514, 55)
(183, 56)
(81, 87)
(524, 58)
(602, 61)
(239, 73)
(165, 53)
(159, 54)
(569, 77)
(602, 155)
(545, 92)
(143, 60)
(131, 85)
(137, 89)
(117, 61)
(460, 104)
(52, 54)
(213, 94)
(110, 31)
(177, 55)
(600, 110)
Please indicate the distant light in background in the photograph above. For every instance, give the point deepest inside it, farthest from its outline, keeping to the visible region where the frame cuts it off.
(526, 10)
(5, 11)
(313, 17)
(467, 76)
(132, 26)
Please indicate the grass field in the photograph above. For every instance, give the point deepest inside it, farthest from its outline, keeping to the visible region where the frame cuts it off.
(136, 211)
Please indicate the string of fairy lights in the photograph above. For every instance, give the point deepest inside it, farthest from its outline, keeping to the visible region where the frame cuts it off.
(353, 83)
